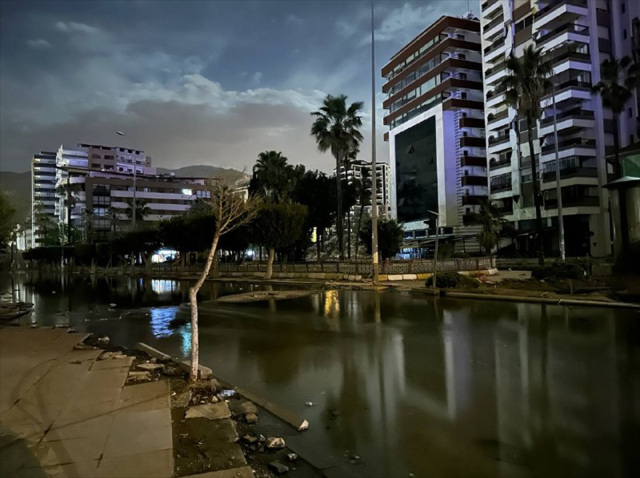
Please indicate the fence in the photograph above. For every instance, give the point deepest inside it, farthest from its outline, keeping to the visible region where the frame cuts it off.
(366, 268)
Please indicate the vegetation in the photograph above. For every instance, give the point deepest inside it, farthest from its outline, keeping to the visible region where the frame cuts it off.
(450, 280)
(337, 129)
(278, 226)
(617, 79)
(142, 210)
(491, 221)
(526, 83)
(45, 225)
(273, 178)
(390, 237)
(230, 211)
(7, 219)
(558, 271)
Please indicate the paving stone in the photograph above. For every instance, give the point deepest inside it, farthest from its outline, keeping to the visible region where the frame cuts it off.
(210, 411)
(155, 464)
(112, 363)
(61, 452)
(85, 469)
(145, 396)
(241, 472)
(87, 427)
(150, 367)
(139, 432)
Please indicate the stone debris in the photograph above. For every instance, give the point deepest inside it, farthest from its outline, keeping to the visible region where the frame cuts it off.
(303, 426)
(275, 443)
(104, 340)
(150, 367)
(243, 407)
(210, 411)
(250, 439)
(138, 376)
(292, 457)
(84, 347)
(251, 418)
(278, 467)
(309, 404)
(181, 399)
(335, 412)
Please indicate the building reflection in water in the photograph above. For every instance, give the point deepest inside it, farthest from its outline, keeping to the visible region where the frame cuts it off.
(160, 319)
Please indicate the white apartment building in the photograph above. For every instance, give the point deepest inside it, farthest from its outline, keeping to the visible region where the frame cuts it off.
(43, 189)
(437, 138)
(576, 36)
(102, 179)
(358, 170)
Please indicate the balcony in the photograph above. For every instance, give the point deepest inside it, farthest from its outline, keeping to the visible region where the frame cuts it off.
(495, 73)
(473, 161)
(468, 180)
(564, 33)
(569, 90)
(493, 26)
(581, 201)
(500, 163)
(488, 4)
(581, 143)
(470, 200)
(499, 139)
(471, 142)
(569, 172)
(500, 186)
(471, 122)
(560, 11)
(574, 119)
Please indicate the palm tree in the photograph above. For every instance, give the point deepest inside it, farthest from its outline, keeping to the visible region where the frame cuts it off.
(142, 210)
(336, 128)
(617, 78)
(272, 176)
(491, 221)
(88, 216)
(526, 83)
(113, 214)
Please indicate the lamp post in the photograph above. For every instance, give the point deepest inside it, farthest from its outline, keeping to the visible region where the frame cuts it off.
(374, 171)
(435, 255)
(134, 212)
(555, 137)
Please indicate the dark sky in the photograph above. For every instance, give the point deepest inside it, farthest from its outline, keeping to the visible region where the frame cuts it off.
(192, 82)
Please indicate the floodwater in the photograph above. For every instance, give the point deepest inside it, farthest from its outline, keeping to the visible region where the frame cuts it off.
(435, 388)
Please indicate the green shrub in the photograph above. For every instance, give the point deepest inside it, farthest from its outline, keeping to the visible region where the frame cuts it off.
(559, 270)
(449, 280)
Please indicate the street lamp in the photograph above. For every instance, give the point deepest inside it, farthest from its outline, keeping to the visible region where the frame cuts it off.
(133, 204)
(435, 255)
(555, 137)
(374, 170)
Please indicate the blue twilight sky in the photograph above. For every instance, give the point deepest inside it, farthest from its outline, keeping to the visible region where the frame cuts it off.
(192, 82)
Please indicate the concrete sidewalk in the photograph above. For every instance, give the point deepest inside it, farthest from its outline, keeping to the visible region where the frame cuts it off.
(64, 414)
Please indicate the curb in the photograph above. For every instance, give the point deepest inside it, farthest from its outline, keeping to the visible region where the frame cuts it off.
(542, 300)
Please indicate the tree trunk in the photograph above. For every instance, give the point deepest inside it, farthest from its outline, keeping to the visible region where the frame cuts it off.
(318, 245)
(616, 143)
(339, 226)
(349, 234)
(193, 299)
(536, 193)
(272, 255)
(359, 226)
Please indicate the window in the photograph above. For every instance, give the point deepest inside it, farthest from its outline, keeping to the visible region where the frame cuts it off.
(463, 95)
(468, 210)
(463, 76)
(461, 56)
(108, 156)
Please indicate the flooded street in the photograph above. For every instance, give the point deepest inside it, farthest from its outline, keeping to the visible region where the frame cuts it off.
(455, 388)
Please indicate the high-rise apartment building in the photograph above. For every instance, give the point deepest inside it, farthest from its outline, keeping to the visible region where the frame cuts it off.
(575, 36)
(43, 188)
(96, 183)
(435, 112)
(362, 171)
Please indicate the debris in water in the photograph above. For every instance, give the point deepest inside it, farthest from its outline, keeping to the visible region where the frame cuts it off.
(309, 404)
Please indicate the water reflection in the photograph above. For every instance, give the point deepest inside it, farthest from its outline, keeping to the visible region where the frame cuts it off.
(412, 385)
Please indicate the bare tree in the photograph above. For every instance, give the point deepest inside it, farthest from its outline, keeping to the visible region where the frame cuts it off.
(231, 210)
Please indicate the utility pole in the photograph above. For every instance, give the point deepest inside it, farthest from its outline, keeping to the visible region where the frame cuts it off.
(374, 192)
(558, 188)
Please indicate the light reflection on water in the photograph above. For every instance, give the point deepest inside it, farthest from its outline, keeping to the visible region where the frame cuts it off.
(433, 388)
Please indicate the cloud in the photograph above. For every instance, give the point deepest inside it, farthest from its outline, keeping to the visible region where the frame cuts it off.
(294, 20)
(70, 27)
(39, 44)
(257, 78)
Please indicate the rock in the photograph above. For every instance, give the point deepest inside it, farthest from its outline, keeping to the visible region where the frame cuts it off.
(411, 475)
(113, 305)
(250, 439)
(243, 407)
(214, 399)
(105, 356)
(355, 457)
(210, 411)
(104, 340)
(84, 347)
(138, 376)
(275, 443)
(153, 360)
(182, 399)
(118, 355)
(261, 438)
(171, 371)
(150, 367)
(303, 426)
(279, 467)
(309, 404)
(251, 418)
(292, 457)
(34, 326)
(335, 412)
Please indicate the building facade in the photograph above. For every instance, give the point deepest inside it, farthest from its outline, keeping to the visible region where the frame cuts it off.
(362, 171)
(435, 112)
(94, 184)
(575, 36)
(43, 190)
